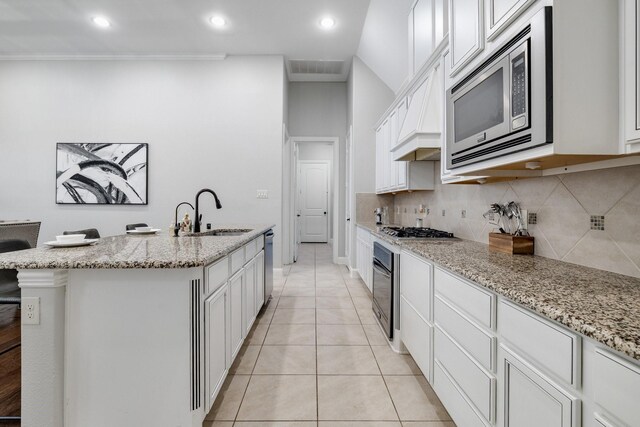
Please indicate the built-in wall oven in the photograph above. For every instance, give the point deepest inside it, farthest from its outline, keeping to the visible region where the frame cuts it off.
(386, 272)
(505, 105)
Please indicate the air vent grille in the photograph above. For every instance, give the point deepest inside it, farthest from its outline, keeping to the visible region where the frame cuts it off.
(196, 334)
(300, 66)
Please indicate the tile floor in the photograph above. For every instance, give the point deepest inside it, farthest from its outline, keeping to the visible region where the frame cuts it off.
(316, 357)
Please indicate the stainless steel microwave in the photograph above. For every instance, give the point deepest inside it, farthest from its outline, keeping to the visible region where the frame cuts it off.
(505, 105)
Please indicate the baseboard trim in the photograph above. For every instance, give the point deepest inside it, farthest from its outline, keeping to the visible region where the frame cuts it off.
(342, 261)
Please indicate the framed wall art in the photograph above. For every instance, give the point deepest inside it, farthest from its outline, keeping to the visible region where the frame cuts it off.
(102, 173)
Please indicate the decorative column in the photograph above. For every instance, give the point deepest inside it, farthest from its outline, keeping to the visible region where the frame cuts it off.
(43, 349)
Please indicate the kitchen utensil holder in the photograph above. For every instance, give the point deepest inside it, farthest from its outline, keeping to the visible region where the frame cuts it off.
(510, 244)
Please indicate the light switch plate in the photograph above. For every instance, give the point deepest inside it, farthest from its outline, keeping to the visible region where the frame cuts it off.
(263, 194)
(30, 310)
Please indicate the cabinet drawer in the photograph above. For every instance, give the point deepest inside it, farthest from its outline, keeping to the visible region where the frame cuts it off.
(476, 302)
(477, 385)
(237, 260)
(617, 386)
(251, 249)
(456, 404)
(473, 339)
(216, 274)
(415, 283)
(552, 348)
(416, 336)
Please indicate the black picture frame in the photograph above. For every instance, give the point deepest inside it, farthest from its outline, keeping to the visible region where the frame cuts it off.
(91, 173)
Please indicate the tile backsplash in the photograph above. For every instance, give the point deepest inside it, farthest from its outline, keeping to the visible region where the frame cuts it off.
(567, 214)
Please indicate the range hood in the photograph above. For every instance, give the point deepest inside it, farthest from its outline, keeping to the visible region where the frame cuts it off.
(420, 137)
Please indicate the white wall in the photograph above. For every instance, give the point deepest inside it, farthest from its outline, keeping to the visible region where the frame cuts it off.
(320, 109)
(383, 44)
(369, 97)
(214, 124)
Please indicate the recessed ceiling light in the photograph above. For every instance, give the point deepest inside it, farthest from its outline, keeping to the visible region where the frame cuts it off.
(218, 21)
(101, 21)
(327, 22)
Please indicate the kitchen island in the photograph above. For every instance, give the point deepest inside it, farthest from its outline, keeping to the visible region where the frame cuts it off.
(135, 330)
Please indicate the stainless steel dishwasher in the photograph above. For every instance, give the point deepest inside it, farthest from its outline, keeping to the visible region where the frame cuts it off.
(268, 265)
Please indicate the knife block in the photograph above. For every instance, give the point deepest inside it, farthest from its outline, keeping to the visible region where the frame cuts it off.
(510, 244)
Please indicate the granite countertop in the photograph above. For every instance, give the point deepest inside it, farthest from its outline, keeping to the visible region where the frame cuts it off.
(136, 251)
(599, 304)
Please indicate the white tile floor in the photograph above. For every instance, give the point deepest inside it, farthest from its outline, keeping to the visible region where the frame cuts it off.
(316, 357)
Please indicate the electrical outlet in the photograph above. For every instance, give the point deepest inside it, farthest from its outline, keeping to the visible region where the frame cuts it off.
(397, 209)
(30, 310)
(263, 194)
(463, 213)
(443, 212)
(421, 208)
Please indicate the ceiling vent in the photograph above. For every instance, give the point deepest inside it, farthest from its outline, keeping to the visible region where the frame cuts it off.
(301, 66)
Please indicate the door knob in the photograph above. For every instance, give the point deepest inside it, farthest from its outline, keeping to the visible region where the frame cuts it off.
(325, 212)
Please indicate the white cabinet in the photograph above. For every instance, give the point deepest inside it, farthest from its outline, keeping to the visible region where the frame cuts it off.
(632, 74)
(259, 281)
(617, 387)
(217, 342)
(416, 296)
(236, 293)
(428, 23)
(364, 257)
(466, 32)
(395, 176)
(501, 13)
(533, 400)
(249, 286)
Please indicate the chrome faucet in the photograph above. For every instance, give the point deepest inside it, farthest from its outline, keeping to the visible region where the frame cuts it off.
(196, 225)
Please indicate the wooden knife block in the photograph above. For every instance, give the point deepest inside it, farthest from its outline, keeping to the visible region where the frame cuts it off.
(509, 244)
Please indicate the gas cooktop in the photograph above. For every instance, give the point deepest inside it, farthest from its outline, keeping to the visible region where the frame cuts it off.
(415, 233)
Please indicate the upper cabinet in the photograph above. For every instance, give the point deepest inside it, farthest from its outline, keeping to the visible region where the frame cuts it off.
(428, 26)
(501, 13)
(631, 64)
(466, 32)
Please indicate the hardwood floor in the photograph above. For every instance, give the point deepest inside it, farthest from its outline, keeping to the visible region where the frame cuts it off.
(9, 362)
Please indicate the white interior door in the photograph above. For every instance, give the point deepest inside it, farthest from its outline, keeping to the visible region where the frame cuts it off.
(313, 201)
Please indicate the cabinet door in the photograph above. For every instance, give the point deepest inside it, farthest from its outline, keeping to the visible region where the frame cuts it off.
(393, 141)
(386, 171)
(250, 295)
(632, 73)
(217, 342)
(236, 292)
(401, 166)
(423, 32)
(531, 400)
(379, 159)
(466, 35)
(501, 13)
(259, 281)
(417, 337)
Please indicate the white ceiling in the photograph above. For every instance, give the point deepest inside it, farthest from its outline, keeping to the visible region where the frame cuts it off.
(180, 28)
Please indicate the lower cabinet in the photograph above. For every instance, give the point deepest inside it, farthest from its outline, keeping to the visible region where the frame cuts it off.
(416, 337)
(364, 257)
(230, 308)
(217, 340)
(236, 291)
(250, 296)
(259, 281)
(531, 399)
